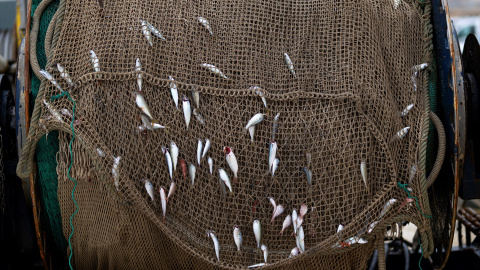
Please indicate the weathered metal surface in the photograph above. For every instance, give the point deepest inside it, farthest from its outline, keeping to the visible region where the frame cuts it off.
(451, 109)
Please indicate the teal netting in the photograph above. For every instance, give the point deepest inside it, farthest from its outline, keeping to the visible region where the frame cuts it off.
(47, 147)
(432, 143)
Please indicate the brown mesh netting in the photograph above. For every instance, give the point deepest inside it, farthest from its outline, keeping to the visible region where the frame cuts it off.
(352, 63)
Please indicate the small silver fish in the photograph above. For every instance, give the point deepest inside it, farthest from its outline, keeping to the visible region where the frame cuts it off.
(275, 166)
(196, 98)
(257, 231)
(210, 164)
(149, 124)
(213, 69)
(372, 226)
(49, 77)
(300, 239)
(308, 173)
(289, 64)
(156, 126)
(287, 222)
(294, 252)
(294, 220)
(396, 4)
(100, 152)
(387, 208)
(149, 188)
(237, 236)
(95, 61)
(260, 93)
(355, 240)
(215, 243)
(191, 171)
(274, 204)
(406, 110)
(400, 134)
(186, 110)
(138, 69)
(420, 67)
(264, 250)
(174, 154)
(303, 210)
(206, 148)
(224, 177)
(173, 90)
(256, 265)
(199, 150)
(363, 170)
(64, 74)
(251, 130)
(271, 155)
(275, 126)
(169, 161)
(414, 80)
(116, 163)
(142, 104)
(231, 161)
(222, 186)
(154, 31)
(413, 171)
(299, 222)
(171, 190)
(146, 32)
(163, 199)
(340, 228)
(278, 211)
(198, 116)
(53, 111)
(257, 118)
(206, 24)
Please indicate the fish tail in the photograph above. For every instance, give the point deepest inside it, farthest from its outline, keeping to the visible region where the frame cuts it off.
(281, 232)
(235, 179)
(163, 219)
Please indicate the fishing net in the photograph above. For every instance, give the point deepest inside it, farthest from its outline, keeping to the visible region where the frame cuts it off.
(47, 147)
(352, 62)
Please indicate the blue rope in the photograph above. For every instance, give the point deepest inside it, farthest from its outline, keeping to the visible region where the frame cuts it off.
(68, 172)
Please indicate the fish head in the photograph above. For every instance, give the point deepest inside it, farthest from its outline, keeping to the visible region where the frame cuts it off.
(170, 78)
(227, 150)
(392, 201)
(92, 54)
(164, 150)
(272, 142)
(263, 248)
(185, 99)
(172, 143)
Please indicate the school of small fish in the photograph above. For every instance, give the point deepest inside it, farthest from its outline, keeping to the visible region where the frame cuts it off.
(172, 153)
